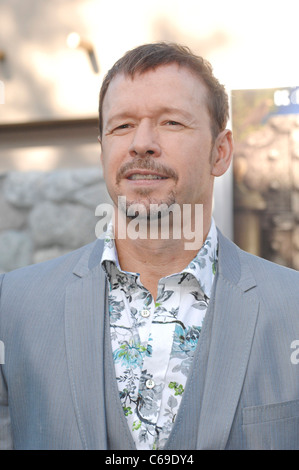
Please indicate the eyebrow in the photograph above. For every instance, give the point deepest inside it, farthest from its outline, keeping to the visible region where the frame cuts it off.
(162, 110)
(172, 109)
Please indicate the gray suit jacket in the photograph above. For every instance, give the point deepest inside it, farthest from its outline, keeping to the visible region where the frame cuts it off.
(52, 382)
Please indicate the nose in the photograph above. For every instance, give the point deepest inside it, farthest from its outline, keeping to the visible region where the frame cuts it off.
(145, 141)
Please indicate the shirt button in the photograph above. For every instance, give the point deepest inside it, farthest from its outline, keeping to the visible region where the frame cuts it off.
(150, 383)
(145, 313)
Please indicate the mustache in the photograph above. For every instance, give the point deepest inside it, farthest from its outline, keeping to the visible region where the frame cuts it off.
(145, 164)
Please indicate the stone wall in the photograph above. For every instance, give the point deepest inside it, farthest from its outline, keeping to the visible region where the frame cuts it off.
(44, 215)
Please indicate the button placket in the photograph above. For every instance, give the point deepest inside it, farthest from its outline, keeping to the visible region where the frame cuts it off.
(145, 313)
(150, 383)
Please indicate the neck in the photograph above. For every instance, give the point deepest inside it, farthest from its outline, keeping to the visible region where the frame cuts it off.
(155, 258)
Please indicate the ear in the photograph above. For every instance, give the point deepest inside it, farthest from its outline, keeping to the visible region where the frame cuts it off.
(222, 153)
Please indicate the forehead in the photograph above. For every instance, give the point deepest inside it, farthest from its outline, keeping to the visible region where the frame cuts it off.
(165, 86)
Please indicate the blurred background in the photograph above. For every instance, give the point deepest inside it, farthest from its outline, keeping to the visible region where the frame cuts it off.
(53, 57)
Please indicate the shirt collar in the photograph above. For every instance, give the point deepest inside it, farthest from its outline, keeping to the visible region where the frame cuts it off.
(204, 264)
(202, 267)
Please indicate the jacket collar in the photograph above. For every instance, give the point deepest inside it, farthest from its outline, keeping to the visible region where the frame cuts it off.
(232, 264)
(90, 259)
(235, 311)
(229, 264)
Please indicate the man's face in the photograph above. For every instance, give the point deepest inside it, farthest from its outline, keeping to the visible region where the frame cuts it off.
(157, 140)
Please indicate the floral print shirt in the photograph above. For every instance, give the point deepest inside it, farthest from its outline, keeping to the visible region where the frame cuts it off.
(153, 342)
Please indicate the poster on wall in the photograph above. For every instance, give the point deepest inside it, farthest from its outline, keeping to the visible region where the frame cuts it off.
(266, 172)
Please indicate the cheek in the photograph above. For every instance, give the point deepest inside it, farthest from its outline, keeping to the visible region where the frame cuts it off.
(109, 159)
(195, 173)
(114, 151)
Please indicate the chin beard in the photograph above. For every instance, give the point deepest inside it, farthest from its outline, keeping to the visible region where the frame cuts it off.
(147, 207)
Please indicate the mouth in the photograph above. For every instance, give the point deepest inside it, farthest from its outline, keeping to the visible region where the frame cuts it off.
(139, 175)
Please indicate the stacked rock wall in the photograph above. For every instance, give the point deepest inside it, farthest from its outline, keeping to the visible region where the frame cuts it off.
(44, 215)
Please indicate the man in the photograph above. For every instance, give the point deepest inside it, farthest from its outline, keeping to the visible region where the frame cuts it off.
(153, 342)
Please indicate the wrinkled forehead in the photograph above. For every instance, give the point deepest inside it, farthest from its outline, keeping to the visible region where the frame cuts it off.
(166, 84)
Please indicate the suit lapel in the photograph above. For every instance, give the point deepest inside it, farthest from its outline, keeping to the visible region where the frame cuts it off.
(234, 319)
(84, 331)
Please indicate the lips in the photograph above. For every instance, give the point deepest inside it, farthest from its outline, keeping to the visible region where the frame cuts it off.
(145, 171)
(144, 175)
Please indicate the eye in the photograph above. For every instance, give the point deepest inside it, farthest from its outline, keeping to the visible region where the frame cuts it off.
(122, 128)
(173, 123)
